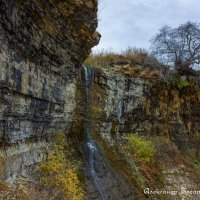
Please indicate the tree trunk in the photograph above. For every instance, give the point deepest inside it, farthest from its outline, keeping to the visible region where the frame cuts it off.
(184, 69)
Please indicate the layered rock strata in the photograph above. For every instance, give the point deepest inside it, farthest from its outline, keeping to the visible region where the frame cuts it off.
(142, 104)
(131, 99)
(43, 44)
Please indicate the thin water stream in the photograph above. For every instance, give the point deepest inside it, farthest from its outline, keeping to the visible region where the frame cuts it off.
(107, 182)
(91, 145)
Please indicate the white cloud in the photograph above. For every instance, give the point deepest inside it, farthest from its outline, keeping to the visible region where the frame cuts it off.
(126, 23)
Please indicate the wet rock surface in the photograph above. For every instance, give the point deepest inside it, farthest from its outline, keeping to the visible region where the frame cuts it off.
(104, 181)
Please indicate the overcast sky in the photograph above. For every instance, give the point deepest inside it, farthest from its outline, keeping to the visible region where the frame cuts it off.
(124, 23)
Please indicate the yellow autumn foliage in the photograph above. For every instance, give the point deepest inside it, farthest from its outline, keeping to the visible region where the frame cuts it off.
(143, 150)
(60, 171)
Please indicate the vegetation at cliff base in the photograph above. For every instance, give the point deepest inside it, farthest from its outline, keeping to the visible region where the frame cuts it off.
(61, 170)
(142, 149)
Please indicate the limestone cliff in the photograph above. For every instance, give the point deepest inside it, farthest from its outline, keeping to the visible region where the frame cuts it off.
(44, 89)
(143, 104)
(43, 44)
(130, 99)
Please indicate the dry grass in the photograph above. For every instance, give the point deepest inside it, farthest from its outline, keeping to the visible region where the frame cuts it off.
(106, 58)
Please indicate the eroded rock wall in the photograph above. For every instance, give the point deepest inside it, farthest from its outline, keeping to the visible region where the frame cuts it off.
(166, 114)
(141, 104)
(43, 44)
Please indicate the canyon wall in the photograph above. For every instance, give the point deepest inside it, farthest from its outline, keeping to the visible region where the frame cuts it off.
(43, 91)
(140, 103)
(128, 99)
(43, 44)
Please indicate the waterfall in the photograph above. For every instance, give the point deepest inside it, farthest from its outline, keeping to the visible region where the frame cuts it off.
(93, 150)
(107, 184)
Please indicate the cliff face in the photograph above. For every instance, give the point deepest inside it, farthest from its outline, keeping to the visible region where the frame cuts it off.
(141, 104)
(43, 44)
(123, 103)
(43, 90)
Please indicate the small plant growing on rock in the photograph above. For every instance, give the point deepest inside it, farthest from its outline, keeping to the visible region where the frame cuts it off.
(184, 83)
(181, 82)
(141, 148)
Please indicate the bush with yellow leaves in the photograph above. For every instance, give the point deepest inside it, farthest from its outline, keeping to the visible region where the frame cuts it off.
(141, 148)
(60, 170)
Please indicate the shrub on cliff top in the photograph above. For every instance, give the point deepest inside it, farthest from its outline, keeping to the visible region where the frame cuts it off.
(61, 171)
(141, 148)
(101, 58)
(182, 82)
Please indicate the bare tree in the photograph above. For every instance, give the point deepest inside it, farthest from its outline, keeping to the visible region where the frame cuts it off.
(178, 47)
